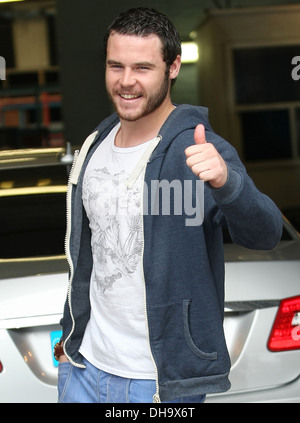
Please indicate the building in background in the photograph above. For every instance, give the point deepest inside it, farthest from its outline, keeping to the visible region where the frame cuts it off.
(247, 74)
(247, 71)
(30, 96)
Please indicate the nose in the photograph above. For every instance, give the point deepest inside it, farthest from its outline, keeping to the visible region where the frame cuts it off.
(127, 79)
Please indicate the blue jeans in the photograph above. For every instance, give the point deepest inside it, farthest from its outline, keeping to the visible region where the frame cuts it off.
(92, 385)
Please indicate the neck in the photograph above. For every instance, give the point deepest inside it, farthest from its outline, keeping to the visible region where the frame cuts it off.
(143, 129)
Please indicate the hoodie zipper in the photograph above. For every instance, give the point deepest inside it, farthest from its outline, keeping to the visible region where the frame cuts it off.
(156, 397)
(68, 256)
(73, 179)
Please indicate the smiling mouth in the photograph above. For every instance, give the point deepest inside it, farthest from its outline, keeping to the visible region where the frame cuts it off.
(130, 96)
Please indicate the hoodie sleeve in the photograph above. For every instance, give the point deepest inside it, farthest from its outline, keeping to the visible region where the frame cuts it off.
(253, 220)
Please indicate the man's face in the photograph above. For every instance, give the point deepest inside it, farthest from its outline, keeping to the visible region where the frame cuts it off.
(136, 75)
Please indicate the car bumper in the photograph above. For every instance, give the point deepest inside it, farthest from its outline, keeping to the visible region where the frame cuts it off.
(288, 393)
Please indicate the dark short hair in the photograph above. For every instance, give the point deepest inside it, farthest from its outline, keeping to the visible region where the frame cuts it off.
(143, 21)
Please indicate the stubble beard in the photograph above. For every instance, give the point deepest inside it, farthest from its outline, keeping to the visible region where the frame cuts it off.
(154, 102)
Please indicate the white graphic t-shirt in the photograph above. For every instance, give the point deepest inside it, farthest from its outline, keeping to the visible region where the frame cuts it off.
(116, 338)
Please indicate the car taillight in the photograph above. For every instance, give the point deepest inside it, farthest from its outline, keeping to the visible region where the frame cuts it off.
(1, 367)
(285, 334)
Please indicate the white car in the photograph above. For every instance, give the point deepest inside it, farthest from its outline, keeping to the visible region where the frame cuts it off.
(262, 314)
(262, 321)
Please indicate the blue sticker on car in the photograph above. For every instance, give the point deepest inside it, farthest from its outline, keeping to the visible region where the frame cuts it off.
(55, 338)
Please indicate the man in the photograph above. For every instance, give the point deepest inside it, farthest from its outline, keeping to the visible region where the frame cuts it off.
(143, 320)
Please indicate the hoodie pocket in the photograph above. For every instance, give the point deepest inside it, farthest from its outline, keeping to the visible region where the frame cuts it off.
(181, 342)
(204, 355)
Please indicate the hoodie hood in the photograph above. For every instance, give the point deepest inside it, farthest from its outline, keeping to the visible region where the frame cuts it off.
(182, 118)
(188, 116)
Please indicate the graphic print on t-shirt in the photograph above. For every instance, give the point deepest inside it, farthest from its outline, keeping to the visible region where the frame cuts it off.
(114, 214)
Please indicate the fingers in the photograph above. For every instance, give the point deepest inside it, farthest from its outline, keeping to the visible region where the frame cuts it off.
(205, 161)
(204, 164)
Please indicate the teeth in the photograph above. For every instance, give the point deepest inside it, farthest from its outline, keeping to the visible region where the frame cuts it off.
(129, 97)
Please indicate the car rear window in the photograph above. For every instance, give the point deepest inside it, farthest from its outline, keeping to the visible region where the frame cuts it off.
(286, 236)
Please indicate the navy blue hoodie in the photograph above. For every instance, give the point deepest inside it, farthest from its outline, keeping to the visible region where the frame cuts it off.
(183, 260)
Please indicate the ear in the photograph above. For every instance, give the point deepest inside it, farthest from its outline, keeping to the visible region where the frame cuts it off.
(175, 67)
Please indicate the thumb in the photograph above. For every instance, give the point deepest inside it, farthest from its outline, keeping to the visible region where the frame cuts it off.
(199, 134)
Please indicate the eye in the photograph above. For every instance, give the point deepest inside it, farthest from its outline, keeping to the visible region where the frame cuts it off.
(143, 68)
(115, 66)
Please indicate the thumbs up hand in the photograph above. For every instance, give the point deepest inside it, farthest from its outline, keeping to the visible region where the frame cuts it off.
(205, 161)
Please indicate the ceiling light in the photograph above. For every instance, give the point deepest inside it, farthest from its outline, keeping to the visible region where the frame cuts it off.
(190, 52)
(9, 1)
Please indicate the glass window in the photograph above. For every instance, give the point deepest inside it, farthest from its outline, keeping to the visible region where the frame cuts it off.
(266, 134)
(32, 225)
(32, 211)
(33, 176)
(264, 75)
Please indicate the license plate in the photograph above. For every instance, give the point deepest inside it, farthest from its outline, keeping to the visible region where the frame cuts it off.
(55, 338)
